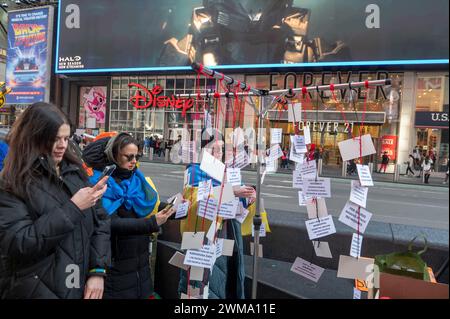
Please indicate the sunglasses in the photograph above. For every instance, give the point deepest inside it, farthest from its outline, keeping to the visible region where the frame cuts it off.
(132, 156)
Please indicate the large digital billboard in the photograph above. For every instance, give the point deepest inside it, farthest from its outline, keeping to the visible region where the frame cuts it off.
(152, 35)
(29, 51)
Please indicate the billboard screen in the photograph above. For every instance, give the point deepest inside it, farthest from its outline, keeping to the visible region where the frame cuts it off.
(29, 55)
(152, 35)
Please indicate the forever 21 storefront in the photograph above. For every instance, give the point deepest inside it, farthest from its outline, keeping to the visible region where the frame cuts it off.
(112, 76)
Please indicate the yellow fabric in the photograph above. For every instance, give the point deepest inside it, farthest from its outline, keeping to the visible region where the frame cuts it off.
(155, 210)
(246, 228)
(188, 224)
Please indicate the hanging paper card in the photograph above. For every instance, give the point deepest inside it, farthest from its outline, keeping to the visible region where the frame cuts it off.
(196, 273)
(307, 134)
(212, 166)
(306, 269)
(297, 181)
(356, 294)
(238, 137)
(234, 176)
(276, 135)
(242, 215)
(227, 193)
(293, 156)
(204, 189)
(192, 240)
(228, 210)
(299, 144)
(203, 257)
(358, 194)
(322, 249)
(355, 268)
(355, 248)
(349, 217)
(212, 231)
(308, 170)
(240, 161)
(177, 260)
(318, 228)
(302, 199)
(182, 210)
(365, 177)
(295, 112)
(271, 166)
(209, 210)
(227, 247)
(317, 208)
(317, 188)
(350, 149)
(274, 153)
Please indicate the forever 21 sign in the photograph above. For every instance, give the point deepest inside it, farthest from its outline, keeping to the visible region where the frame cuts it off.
(432, 120)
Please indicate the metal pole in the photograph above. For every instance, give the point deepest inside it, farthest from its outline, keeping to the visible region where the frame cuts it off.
(344, 169)
(257, 221)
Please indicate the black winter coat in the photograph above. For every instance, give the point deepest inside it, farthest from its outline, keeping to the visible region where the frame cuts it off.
(41, 246)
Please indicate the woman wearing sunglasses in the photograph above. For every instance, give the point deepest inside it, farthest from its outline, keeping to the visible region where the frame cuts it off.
(136, 212)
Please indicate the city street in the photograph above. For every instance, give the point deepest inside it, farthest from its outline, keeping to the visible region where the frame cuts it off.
(424, 206)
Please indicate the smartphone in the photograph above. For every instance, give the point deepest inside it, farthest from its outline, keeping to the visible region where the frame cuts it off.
(106, 172)
(171, 202)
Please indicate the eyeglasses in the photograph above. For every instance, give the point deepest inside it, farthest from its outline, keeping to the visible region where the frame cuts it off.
(132, 156)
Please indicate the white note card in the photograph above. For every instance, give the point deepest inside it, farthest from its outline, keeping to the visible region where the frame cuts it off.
(212, 166)
(307, 134)
(204, 257)
(241, 160)
(207, 209)
(234, 176)
(300, 144)
(349, 217)
(318, 228)
(294, 156)
(228, 210)
(204, 189)
(227, 247)
(276, 135)
(356, 293)
(316, 208)
(302, 199)
(308, 170)
(227, 193)
(355, 268)
(306, 269)
(358, 194)
(196, 273)
(355, 248)
(322, 249)
(295, 112)
(242, 214)
(274, 153)
(317, 188)
(177, 260)
(182, 210)
(192, 240)
(365, 177)
(350, 149)
(297, 180)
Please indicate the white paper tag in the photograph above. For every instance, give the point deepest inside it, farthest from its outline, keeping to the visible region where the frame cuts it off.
(227, 247)
(318, 228)
(219, 247)
(238, 136)
(177, 260)
(349, 217)
(295, 157)
(192, 240)
(350, 149)
(365, 177)
(299, 144)
(276, 135)
(182, 210)
(358, 194)
(227, 193)
(242, 215)
(316, 207)
(302, 199)
(274, 153)
(295, 112)
(356, 293)
(196, 274)
(234, 176)
(308, 170)
(252, 249)
(322, 249)
(355, 268)
(204, 257)
(317, 188)
(262, 230)
(186, 177)
(240, 161)
(306, 269)
(307, 135)
(207, 211)
(212, 166)
(228, 210)
(355, 248)
(297, 180)
(206, 292)
(204, 189)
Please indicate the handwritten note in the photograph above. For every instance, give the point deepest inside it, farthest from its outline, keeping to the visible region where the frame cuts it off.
(365, 177)
(306, 269)
(318, 228)
(358, 194)
(349, 217)
(317, 188)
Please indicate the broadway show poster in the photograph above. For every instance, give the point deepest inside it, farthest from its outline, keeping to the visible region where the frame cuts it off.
(139, 35)
(29, 55)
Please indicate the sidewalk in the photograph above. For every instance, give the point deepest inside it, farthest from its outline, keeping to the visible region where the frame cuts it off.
(333, 171)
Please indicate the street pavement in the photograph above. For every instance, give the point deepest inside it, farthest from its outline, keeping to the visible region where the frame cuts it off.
(416, 205)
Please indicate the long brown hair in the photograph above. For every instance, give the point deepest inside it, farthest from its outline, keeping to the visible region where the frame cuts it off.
(32, 136)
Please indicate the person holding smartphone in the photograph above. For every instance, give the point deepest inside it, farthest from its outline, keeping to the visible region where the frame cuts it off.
(133, 203)
(54, 234)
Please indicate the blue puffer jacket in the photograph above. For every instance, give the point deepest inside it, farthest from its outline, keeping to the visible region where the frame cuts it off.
(3, 152)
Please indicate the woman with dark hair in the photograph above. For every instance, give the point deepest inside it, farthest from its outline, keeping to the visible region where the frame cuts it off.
(427, 165)
(136, 212)
(54, 235)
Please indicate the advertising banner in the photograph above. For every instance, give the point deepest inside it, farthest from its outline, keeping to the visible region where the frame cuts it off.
(144, 35)
(93, 104)
(432, 120)
(29, 55)
(389, 145)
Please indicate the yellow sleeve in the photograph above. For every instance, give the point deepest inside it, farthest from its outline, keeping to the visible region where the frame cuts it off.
(155, 210)
(246, 228)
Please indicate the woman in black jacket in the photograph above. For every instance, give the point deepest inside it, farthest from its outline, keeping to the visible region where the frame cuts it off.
(130, 200)
(54, 238)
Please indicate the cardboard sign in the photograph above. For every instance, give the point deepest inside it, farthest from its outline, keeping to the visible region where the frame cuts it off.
(207, 209)
(358, 194)
(212, 166)
(295, 112)
(204, 189)
(276, 135)
(177, 260)
(204, 257)
(300, 144)
(355, 248)
(320, 187)
(306, 269)
(318, 228)
(365, 177)
(322, 249)
(182, 210)
(350, 149)
(308, 170)
(297, 180)
(349, 217)
(353, 268)
(192, 240)
(316, 208)
(234, 176)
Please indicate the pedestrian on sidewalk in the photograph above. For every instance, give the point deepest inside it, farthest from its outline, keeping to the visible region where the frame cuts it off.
(133, 204)
(409, 163)
(446, 174)
(50, 216)
(384, 162)
(427, 165)
(284, 159)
